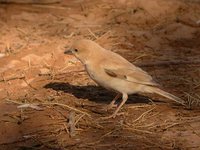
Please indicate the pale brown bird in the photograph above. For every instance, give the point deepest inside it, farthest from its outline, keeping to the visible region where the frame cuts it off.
(115, 73)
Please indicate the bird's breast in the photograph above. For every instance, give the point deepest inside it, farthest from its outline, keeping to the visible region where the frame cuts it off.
(97, 73)
(93, 72)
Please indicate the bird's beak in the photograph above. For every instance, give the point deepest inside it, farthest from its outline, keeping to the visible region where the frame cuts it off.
(69, 52)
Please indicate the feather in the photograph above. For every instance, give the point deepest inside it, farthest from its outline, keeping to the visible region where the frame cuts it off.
(135, 76)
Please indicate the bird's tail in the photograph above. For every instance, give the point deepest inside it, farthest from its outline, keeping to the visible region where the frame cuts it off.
(165, 94)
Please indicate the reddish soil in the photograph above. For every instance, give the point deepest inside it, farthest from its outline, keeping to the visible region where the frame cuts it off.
(161, 36)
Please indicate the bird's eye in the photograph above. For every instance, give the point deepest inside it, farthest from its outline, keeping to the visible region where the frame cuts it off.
(76, 50)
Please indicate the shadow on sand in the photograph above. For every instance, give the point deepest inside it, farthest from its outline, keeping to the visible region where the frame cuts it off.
(93, 93)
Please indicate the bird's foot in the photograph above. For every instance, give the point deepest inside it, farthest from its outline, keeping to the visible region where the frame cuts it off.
(110, 106)
(112, 116)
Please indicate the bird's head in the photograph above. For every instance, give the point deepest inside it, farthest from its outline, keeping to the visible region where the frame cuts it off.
(84, 50)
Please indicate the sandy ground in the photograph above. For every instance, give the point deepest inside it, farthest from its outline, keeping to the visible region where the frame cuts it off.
(63, 106)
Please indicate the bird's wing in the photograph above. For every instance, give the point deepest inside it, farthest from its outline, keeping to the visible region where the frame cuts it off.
(135, 75)
(116, 66)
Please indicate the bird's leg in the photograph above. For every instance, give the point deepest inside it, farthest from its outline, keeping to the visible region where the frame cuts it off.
(124, 99)
(112, 104)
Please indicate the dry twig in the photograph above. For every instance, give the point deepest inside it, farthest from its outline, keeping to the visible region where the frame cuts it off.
(182, 122)
(66, 106)
(92, 34)
(188, 23)
(143, 115)
(72, 123)
(12, 78)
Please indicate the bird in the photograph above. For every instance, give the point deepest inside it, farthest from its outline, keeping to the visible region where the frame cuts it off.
(113, 72)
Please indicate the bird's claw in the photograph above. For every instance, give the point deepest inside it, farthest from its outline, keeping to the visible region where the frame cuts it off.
(112, 116)
(110, 106)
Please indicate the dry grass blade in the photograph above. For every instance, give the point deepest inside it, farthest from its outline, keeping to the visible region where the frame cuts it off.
(15, 102)
(138, 130)
(143, 115)
(50, 7)
(33, 106)
(58, 104)
(79, 119)
(29, 84)
(140, 106)
(183, 122)
(72, 123)
(192, 99)
(188, 22)
(105, 35)
(66, 106)
(139, 124)
(139, 57)
(92, 33)
(12, 78)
